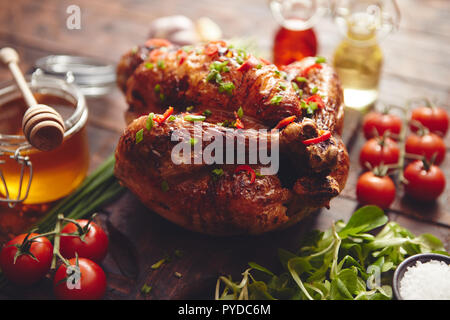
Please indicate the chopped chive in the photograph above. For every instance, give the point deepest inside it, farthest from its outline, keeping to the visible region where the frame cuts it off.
(171, 118)
(190, 108)
(193, 141)
(216, 173)
(282, 86)
(161, 64)
(301, 79)
(240, 112)
(157, 88)
(164, 186)
(158, 264)
(207, 113)
(139, 136)
(193, 118)
(259, 66)
(150, 122)
(162, 96)
(321, 60)
(146, 289)
(276, 100)
(314, 90)
(226, 87)
(212, 75)
(149, 65)
(277, 73)
(258, 175)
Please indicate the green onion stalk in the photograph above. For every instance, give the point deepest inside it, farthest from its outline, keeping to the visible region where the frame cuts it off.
(97, 189)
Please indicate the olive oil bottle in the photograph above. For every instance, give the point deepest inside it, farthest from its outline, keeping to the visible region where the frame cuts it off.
(358, 61)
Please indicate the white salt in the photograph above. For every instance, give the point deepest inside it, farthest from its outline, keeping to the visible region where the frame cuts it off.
(426, 281)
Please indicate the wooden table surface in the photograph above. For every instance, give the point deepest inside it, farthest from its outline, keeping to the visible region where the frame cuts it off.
(416, 63)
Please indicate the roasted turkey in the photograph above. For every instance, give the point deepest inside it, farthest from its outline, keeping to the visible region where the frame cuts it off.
(215, 88)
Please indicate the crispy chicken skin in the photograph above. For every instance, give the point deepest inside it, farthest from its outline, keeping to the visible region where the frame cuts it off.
(154, 77)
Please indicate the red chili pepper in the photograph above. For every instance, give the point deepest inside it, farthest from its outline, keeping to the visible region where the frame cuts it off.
(313, 66)
(155, 42)
(283, 123)
(166, 114)
(154, 54)
(211, 49)
(265, 61)
(182, 55)
(238, 124)
(251, 62)
(324, 136)
(247, 168)
(317, 99)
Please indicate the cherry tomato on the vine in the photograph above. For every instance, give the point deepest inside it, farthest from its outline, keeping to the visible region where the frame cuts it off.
(435, 119)
(379, 150)
(426, 145)
(31, 263)
(376, 124)
(91, 244)
(425, 182)
(376, 190)
(91, 284)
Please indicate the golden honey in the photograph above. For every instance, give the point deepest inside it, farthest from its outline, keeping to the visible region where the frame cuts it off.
(55, 173)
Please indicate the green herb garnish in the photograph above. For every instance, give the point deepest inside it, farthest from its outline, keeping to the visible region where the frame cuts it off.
(226, 87)
(282, 86)
(161, 64)
(146, 289)
(314, 90)
(345, 262)
(276, 100)
(217, 173)
(259, 66)
(194, 118)
(207, 113)
(301, 79)
(321, 60)
(149, 65)
(158, 264)
(139, 136)
(164, 186)
(193, 141)
(310, 107)
(157, 88)
(190, 108)
(240, 112)
(150, 123)
(171, 118)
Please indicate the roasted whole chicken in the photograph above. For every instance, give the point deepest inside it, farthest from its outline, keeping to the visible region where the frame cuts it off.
(214, 91)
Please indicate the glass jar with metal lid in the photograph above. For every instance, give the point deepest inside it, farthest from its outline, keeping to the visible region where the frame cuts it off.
(28, 175)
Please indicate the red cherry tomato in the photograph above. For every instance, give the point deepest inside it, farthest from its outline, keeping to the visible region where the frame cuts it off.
(426, 145)
(376, 151)
(26, 270)
(435, 119)
(372, 189)
(94, 245)
(376, 123)
(423, 184)
(92, 283)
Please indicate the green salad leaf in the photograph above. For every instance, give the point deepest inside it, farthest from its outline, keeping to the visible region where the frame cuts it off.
(345, 262)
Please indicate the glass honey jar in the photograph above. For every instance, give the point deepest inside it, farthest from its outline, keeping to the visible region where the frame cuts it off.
(30, 176)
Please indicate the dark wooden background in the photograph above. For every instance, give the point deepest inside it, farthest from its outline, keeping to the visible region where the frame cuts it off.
(416, 64)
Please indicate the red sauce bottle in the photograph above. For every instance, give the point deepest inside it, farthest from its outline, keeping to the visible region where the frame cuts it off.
(292, 45)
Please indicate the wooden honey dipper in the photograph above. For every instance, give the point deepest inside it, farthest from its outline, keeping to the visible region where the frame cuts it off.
(42, 125)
